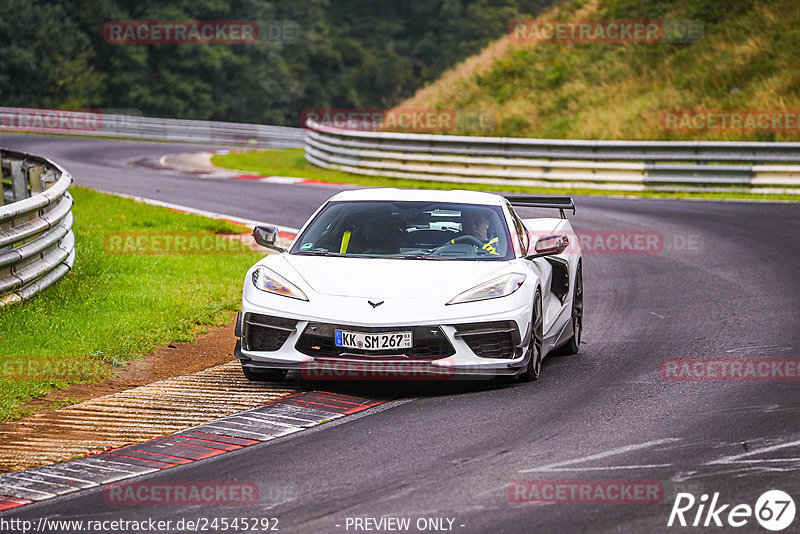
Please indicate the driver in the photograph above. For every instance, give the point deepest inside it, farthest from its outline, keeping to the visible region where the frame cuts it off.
(476, 223)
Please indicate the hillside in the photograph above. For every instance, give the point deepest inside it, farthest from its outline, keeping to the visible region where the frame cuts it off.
(309, 54)
(748, 59)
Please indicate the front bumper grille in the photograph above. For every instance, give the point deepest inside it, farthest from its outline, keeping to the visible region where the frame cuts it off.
(266, 333)
(430, 343)
(496, 339)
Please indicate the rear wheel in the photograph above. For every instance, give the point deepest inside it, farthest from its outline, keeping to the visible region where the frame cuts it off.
(266, 375)
(534, 367)
(572, 346)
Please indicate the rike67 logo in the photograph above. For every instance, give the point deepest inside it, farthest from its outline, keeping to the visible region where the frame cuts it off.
(774, 510)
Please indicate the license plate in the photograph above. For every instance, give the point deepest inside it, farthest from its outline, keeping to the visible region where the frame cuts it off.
(382, 341)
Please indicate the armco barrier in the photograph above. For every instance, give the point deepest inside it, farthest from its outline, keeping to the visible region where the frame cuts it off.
(37, 246)
(98, 123)
(711, 166)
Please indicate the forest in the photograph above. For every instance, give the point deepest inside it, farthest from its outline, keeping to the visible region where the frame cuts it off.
(345, 54)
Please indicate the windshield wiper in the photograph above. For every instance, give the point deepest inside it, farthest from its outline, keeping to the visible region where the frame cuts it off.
(316, 253)
(419, 257)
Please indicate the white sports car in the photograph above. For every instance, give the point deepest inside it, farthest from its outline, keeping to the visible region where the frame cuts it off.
(397, 283)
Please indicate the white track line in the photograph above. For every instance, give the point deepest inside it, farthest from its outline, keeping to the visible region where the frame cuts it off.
(735, 457)
(609, 468)
(600, 455)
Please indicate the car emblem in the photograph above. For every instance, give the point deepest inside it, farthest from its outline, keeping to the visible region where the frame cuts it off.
(375, 304)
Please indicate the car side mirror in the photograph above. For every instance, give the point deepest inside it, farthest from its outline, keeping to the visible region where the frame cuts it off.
(549, 245)
(266, 235)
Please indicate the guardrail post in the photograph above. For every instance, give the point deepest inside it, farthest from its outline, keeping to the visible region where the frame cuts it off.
(35, 178)
(19, 182)
(2, 193)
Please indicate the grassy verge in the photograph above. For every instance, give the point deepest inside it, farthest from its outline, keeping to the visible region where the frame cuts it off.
(291, 162)
(114, 307)
(744, 60)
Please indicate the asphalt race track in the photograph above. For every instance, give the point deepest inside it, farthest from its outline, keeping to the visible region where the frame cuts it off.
(722, 284)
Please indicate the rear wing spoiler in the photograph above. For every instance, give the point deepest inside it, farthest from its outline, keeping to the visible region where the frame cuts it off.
(533, 201)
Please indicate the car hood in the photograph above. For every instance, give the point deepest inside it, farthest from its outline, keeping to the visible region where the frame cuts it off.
(387, 279)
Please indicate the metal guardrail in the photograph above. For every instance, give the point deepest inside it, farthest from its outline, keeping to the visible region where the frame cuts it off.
(709, 166)
(96, 123)
(37, 246)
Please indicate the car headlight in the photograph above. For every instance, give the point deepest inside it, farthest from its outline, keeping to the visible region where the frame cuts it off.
(495, 288)
(271, 282)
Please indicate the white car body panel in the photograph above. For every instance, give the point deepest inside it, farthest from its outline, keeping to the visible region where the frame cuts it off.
(413, 293)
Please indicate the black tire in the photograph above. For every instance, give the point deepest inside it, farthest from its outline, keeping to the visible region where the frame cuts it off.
(573, 344)
(534, 367)
(267, 375)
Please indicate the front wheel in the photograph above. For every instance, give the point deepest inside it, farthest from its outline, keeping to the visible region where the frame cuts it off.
(574, 343)
(266, 375)
(534, 367)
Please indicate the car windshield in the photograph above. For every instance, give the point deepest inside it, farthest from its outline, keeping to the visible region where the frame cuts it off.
(407, 230)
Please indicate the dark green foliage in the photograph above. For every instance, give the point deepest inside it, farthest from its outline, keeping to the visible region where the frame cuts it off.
(351, 53)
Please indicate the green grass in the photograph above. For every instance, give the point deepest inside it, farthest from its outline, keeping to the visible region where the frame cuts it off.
(114, 307)
(746, 60)
(291, 162)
